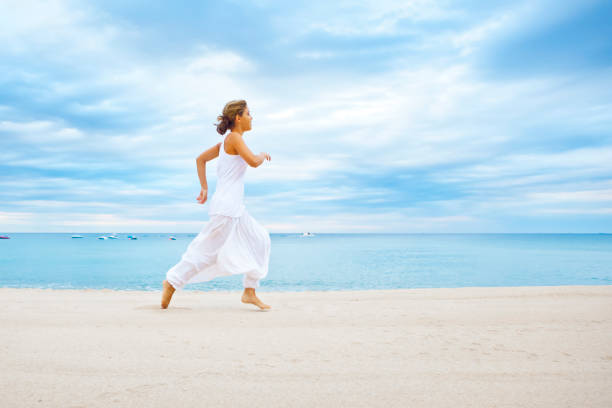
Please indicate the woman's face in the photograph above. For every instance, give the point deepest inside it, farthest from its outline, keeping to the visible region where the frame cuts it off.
(245, 119)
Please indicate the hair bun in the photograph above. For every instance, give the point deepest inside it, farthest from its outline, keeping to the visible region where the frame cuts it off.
(223, 124)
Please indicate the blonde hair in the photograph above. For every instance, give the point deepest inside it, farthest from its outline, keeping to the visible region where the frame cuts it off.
(227, 118)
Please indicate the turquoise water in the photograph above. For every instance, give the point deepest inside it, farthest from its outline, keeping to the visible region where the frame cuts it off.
(322, 262)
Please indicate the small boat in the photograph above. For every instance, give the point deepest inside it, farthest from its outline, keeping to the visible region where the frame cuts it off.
(77, 236)
(172, 238)
(113, 237)
(102, 237)
(308, 234)
(132, 237)
(4, 237)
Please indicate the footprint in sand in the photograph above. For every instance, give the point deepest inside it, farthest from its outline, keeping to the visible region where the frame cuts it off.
(156, 308)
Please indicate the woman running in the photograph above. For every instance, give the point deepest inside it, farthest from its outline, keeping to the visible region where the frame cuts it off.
(231, 242)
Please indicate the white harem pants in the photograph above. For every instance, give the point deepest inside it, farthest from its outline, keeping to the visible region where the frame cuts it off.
(225, 246)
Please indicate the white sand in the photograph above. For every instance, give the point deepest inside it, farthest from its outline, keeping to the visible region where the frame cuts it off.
(468, 347)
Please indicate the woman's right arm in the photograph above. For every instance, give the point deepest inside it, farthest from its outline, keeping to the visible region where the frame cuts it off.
(243, 150)
(201, 167)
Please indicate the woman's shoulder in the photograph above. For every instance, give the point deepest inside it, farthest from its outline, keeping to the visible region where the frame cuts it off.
(232, 136)
(231, 140)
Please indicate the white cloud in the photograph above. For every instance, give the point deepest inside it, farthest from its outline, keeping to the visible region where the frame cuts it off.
(517, 169)
(57, 30)
(391, 221)
(370, 17)
(572, 196)
(41, 131)
(315, 54)
(574, 211)
(89, 222)
(14, 218)
(219, 61)
(491, 140)
(468, 40)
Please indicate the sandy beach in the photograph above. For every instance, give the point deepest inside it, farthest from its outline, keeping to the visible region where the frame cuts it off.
(464, 347)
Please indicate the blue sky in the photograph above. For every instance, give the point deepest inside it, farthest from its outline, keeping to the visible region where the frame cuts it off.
(380, 116)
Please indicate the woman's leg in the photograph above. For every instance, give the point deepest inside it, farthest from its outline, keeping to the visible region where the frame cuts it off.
(175, 279)
(179, 274)
(201, 253)
(260, 246)
(167, 292)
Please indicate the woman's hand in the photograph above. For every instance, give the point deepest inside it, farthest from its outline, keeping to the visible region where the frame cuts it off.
(265, 156)
(202, 197)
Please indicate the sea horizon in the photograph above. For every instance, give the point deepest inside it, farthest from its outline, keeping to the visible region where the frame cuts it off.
(323, 261)
(321, 233)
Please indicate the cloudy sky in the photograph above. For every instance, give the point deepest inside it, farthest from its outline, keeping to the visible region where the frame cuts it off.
(379, 116)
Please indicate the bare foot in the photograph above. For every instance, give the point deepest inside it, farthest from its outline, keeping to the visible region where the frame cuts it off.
(249, 297)
(167, 293)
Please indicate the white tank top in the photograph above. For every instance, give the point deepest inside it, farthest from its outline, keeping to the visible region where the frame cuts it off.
(228, 198)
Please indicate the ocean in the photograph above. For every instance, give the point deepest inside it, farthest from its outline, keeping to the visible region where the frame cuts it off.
(321, 262)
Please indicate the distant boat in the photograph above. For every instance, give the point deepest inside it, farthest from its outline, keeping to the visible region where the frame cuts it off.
(172, 238)
(308, 234)
(132, 237)
(102, 238)
(113, 237)
(77, 236)
(4, 237)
